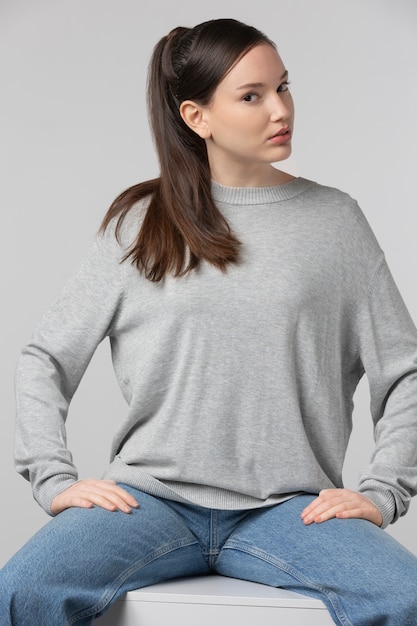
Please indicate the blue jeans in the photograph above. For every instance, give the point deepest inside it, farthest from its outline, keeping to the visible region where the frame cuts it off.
(85, 559)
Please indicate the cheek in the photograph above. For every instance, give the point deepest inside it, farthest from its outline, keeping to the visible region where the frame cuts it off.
(249, 121)
(236, 125)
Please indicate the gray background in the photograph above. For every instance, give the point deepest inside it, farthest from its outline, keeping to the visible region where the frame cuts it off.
(74, 134)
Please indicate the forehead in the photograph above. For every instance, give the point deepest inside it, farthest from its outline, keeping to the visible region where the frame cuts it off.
(262, 64)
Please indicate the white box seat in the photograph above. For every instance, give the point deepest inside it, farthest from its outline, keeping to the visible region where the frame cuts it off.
(215, 601)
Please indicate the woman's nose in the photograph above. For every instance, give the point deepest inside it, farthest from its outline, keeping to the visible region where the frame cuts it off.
(281, 107)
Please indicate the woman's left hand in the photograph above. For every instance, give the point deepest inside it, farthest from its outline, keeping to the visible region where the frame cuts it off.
(343, 504)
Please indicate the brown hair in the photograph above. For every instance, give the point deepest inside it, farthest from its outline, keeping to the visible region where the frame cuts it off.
(182, 225)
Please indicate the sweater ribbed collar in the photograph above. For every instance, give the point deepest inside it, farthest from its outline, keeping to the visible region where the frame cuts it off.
(259, 195)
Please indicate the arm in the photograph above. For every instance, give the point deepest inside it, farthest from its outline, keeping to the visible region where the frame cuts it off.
(388, 350)
(53, 363)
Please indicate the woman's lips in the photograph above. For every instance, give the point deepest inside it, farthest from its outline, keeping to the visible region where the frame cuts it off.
(282, 136)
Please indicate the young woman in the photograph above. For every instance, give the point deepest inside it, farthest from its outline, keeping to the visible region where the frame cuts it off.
(243, 306)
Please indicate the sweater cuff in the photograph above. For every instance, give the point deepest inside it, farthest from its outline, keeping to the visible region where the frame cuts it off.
(385, 502)
(51, 488)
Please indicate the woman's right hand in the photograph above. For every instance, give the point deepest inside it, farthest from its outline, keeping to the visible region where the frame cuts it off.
(88, 493)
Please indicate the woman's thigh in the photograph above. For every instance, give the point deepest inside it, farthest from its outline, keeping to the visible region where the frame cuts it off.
(83, 559)
(360, 572)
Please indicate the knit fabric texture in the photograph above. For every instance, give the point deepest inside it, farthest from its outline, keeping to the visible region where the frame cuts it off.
(239, 385)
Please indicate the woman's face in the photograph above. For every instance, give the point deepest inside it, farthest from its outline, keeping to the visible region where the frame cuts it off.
(250, 118)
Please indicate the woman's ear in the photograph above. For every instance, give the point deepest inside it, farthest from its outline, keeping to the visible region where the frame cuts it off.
(193, 116)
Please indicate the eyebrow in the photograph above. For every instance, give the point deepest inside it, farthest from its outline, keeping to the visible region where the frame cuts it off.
(259, 85)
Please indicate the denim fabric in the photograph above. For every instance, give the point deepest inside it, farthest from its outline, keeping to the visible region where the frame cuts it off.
(84, 559)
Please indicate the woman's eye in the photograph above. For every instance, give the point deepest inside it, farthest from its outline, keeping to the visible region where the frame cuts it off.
(283, 86)
(250, 97)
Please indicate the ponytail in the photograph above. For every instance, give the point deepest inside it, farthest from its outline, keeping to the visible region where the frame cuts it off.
(182, 225)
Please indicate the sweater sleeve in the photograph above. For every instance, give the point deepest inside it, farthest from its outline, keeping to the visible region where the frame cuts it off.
(52, 364)
(388, 350)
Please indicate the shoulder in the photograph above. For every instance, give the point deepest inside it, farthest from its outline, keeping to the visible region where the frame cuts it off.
(342, 232)
(342, 211)
(333, 199)
(122, 231)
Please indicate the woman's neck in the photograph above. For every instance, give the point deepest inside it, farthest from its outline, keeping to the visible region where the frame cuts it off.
(270, 177)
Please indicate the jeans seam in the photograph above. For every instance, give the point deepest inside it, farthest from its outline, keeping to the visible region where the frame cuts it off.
(116, 584)
(214, 538)
(289, 569)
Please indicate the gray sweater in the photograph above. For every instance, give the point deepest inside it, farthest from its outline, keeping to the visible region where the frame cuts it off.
(239, 385)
